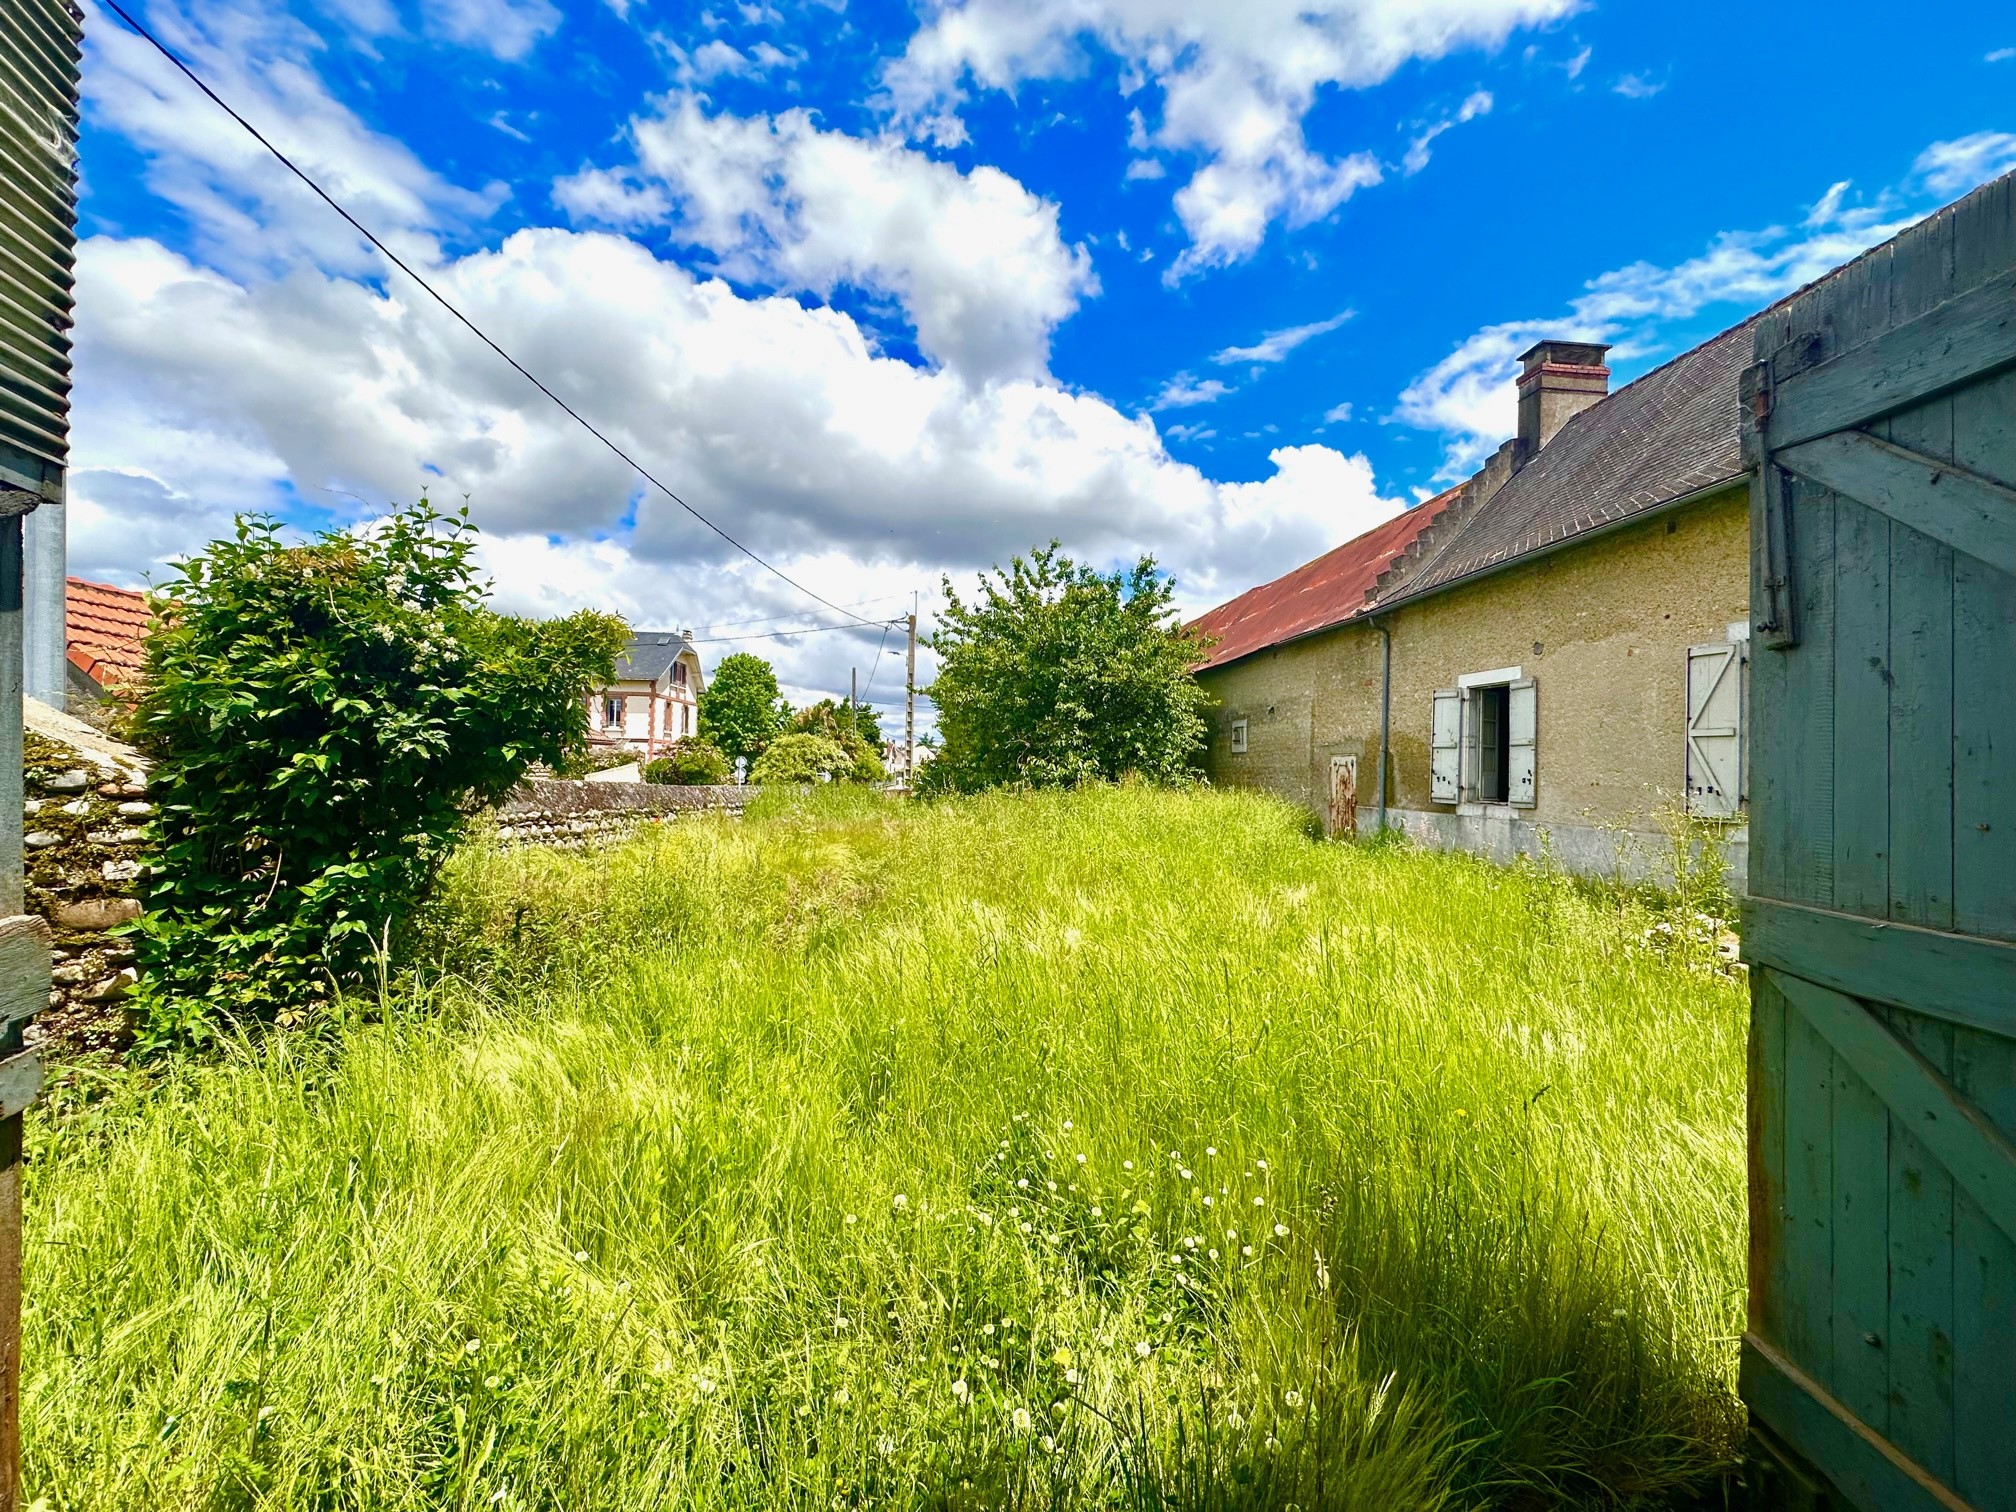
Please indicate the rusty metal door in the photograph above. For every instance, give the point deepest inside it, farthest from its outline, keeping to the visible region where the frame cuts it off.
(1880, 1359)
(1343, 816)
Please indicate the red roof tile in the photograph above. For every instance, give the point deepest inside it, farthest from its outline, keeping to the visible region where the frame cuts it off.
(106, 629)
(1317, 595)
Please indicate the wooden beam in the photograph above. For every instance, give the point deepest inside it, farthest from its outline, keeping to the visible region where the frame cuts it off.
(1959, 978)
(1955, 1130)
(1863, 1465)
(1966, 337)
(1971, 514)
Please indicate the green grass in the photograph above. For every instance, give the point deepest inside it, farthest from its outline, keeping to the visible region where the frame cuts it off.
(1355, 1178)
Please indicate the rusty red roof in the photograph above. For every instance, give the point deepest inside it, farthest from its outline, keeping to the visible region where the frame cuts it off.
(1317, 595)
(106, 628)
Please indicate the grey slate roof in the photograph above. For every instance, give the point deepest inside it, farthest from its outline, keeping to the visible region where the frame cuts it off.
(650, 655)
(1673, 432)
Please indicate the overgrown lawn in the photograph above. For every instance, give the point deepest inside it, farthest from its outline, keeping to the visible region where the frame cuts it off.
(1122, 1148)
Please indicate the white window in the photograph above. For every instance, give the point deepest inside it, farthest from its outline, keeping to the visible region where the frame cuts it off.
(1238, 737)
(1483, 742)
(612, 713)
(1715, 731)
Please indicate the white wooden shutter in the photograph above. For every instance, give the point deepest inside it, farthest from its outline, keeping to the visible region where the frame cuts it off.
(1715, 731)
(1444, 745)
(1523, 713)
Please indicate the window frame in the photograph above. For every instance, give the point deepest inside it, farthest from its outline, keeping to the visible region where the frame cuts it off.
(1240, 737)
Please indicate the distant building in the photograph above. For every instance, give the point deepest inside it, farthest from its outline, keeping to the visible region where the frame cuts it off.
(654, 699)
(105, 630)
(1548, 656)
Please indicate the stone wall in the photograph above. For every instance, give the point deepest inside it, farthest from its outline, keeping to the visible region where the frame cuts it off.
(549, 811)
(85, 800)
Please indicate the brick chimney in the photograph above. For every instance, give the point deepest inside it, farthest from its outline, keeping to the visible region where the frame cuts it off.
(1561, 379)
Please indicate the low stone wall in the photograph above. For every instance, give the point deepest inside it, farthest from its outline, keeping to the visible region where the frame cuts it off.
(549, 811)
(84, 802)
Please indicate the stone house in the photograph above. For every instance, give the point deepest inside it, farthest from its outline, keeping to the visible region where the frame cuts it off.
(1552, 653)
(654, 699)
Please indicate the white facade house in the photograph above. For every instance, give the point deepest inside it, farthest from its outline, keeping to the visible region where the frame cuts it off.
(654, 699)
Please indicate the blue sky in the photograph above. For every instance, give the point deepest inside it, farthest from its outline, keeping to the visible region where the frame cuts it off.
(893, 291)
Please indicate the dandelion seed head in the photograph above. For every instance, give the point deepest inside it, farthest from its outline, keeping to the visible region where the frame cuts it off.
(1210, 1149)
(1067, 1126)
(1144, 1349)
(960, 1389)
(842, 1397)
(899, 1202)
(1081, 1157)
(1023, 1422)
(848, 1220)
(1126, 1165)
(1291, 1398)
(580, 1257)
(1280, 1231)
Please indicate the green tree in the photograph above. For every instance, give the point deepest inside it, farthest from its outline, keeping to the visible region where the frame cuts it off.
(799, 757)
(689, 763)
(323, 720)
(1057, 674)
(854, 728)
(740, 712)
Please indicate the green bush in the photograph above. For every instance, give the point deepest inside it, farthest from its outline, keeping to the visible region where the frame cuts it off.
(690, 763)
(323, 720)
(803, 758)
(583, 762)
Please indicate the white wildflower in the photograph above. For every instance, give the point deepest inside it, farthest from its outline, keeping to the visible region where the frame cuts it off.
(1021, 1419)
(899, 1202)
(1144, 1349)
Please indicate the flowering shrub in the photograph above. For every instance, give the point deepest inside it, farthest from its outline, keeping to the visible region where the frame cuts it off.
(323, 720)
(802, 758)
(690, 763)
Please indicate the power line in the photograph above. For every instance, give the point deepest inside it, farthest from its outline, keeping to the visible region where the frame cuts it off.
(764, 619)
(398, 262)
(712, 640)
(877, 666)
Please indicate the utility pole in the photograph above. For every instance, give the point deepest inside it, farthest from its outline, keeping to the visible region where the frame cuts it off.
(853, 690)
(910, 705)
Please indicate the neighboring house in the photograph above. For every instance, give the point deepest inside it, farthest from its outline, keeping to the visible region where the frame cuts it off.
(1552, 653)
(655, 697)
(105, 632)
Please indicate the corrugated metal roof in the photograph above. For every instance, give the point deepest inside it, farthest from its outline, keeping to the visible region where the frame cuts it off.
(106, 630)
(1317, 595)
(1673, 432)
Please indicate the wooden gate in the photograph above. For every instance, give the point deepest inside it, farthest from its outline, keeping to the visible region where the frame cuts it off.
(1343, 815)
(1881, 1348)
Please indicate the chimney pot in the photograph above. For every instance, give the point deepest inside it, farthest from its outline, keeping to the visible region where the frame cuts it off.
(1559, 381)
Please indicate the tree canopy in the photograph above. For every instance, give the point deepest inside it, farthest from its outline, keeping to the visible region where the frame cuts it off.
(1057, 674)
(740, 711)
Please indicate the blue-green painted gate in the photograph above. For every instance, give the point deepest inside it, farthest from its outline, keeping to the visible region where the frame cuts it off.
(1881, 1348)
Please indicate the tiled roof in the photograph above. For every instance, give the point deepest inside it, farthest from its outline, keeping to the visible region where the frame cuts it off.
(106, 630)
(1317, 595)
(1671, 433)
(650, 655)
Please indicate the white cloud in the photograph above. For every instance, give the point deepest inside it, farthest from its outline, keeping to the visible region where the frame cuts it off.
(858, 473)
(1276, 345)
(1470, 395)
(1479, 103)
(1236, 82)
(506, 29)
(248, 211)
(1337, 413)
(1183, 391)
(975, 259)
(2000, 55)
(1574, 66)
(1953, 168)
(1637, 86)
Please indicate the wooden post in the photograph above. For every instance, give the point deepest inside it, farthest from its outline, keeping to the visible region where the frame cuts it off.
(910, 708)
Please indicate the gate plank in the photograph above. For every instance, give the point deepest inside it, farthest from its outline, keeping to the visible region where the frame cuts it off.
(1947, 976)
(1806, 1306)
(1862, 682)
(1919, 1097)
(1969, 513)
(1984, 649)
(1868, 1470)
(1984, 1291)
(1921, 697)
(1950, 344)
(1920, 1338)
(1861, 1249)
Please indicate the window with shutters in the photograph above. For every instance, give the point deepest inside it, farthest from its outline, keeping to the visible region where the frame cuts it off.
(612, 713)
(1714, 751)
(1485, 739)
(1238, 737)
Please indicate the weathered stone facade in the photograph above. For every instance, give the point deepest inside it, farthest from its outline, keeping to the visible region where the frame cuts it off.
(84, 810)
(1602, 626)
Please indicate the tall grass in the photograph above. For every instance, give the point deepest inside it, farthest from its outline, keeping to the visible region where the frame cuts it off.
(1118, 1149)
